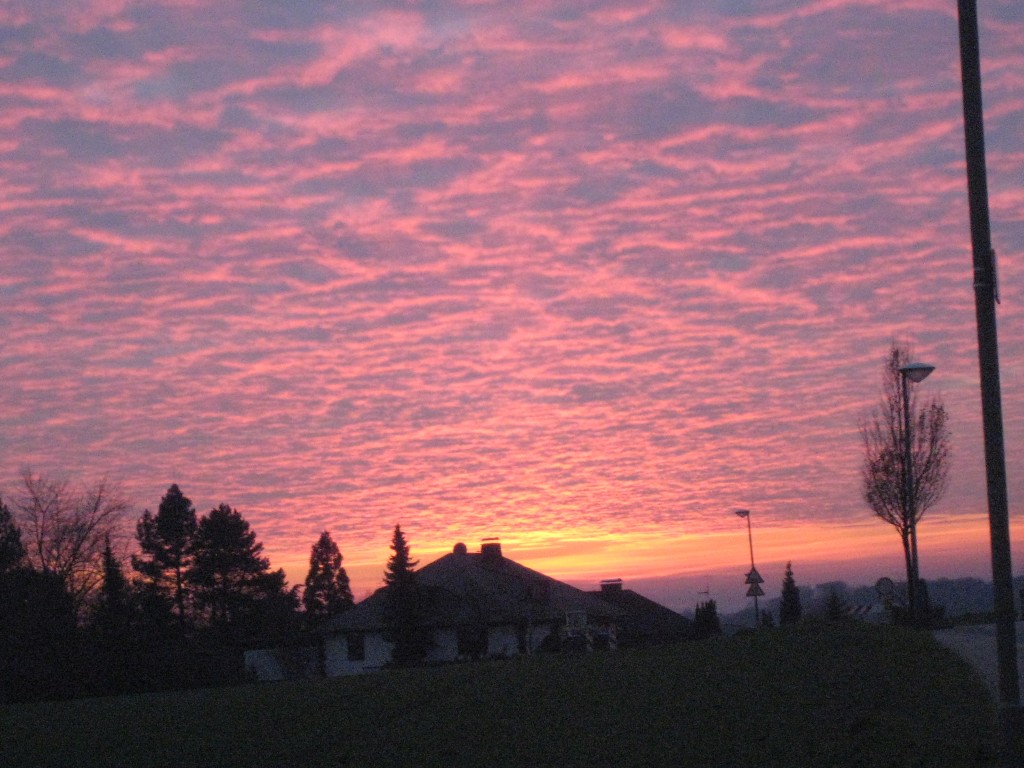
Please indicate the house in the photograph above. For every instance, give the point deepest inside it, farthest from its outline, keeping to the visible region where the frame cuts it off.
(475, 605)
(643, 621)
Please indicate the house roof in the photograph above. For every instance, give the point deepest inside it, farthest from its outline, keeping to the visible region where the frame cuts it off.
(644, 617)
(466, 588)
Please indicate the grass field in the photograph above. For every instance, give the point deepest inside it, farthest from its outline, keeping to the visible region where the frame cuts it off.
(821, 695)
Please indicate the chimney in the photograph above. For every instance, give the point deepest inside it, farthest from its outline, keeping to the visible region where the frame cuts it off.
(490, 550)
(611, 587)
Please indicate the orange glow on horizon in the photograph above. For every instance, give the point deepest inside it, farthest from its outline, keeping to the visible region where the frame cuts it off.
(950, 546)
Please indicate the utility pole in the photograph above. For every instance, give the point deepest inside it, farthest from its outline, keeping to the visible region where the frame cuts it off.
(986, 295)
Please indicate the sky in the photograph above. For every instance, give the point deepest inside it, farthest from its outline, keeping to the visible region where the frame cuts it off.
(586, 276)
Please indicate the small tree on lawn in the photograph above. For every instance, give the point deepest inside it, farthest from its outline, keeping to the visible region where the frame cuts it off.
(327, 590)
(894, 497)
(790, 609)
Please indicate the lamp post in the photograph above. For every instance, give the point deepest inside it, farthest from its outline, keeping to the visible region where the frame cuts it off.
(915, 372)
(753, 578)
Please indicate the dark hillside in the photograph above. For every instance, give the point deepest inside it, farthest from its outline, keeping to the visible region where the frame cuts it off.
(820, 695)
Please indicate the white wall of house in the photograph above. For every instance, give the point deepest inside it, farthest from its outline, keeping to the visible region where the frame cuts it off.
(282, 663)
(502, 641)
(376, 653)
(537, 634)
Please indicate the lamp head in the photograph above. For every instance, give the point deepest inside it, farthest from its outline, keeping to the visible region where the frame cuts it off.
(917, 372)
(743, 512)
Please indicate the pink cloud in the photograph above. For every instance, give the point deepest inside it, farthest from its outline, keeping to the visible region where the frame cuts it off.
(550, 275)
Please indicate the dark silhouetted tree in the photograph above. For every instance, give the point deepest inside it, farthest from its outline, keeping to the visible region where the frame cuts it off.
(114, 630)
(230, 576)
(327, 590)
(705, 620)
(404, 604)
(12, 552)
(39, 650)
(66, 529)
(790, 608)
(113, 610)
(835, 608)
(883, 473)
(400, 568)
(166, 540)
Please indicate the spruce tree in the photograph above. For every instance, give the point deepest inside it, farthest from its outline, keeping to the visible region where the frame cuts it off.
(327, 590)
(400, 569)
(404, 604)
(114, 629)
(790, 609)
(113, 606)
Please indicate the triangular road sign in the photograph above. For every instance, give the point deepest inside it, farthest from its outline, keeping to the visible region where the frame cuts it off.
(755, 591)
(754, 577)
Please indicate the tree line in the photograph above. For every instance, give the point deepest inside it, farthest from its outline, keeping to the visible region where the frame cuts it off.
(77, 618)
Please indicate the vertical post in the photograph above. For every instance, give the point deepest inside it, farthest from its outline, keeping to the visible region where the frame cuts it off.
(985, 296)
(753, 578)
(750, 538)
(909, 511)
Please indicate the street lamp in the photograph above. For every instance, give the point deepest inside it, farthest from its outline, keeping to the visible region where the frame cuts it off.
(753, 578)
(915, 372)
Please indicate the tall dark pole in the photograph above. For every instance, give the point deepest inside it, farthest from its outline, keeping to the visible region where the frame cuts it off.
(750, 538)
(753, 578)
(909, 510)
(985, 297)
(911, 372)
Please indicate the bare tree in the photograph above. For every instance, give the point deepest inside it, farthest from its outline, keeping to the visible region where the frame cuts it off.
(884, 473)
(67, 528)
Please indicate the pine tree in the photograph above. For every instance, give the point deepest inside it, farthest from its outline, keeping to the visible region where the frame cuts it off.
(404, 604)
(229, 574)
(400, 569)
(166, 540)
(790, 609)
(327, 589)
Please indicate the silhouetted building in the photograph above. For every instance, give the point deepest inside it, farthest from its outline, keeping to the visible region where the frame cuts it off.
(474, 605)
(643, 621)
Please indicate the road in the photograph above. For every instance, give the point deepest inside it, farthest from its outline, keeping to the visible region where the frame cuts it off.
(977, 644)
